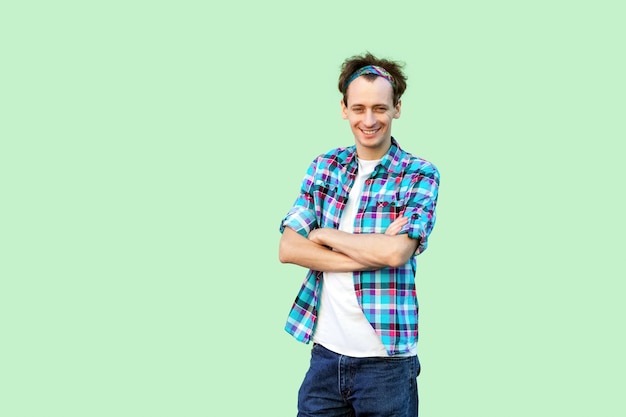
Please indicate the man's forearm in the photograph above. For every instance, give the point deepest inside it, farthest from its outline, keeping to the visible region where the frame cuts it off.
(296, 249)
(374, 251)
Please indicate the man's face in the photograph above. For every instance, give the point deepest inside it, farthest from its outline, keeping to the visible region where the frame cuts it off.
(370, 111)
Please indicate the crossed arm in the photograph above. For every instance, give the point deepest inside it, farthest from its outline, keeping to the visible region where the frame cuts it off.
(331, 250)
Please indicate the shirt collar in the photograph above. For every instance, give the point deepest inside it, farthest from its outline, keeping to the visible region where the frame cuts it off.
(391, 161)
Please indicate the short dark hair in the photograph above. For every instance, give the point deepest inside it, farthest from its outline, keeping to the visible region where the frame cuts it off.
(354, 63)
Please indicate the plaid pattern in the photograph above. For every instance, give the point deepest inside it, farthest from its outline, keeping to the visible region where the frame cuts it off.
(401, 185)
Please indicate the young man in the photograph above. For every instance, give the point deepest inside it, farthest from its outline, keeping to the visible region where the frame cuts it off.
(363, 214)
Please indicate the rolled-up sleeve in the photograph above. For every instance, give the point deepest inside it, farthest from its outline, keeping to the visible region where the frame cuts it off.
(420, 205)
(302, 216)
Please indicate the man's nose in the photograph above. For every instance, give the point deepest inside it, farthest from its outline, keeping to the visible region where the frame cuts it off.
(369, 120)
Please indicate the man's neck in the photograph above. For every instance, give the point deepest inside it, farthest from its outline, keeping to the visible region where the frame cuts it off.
(371, 154)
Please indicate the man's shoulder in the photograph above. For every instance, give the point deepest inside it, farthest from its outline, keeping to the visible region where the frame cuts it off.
(420, 164)
(412, 164)
(340, 155)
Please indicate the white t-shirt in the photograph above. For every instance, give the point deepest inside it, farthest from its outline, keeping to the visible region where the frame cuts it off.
(341, 325)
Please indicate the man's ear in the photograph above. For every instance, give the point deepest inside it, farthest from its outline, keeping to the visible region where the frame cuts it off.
(344, 109)
(398, 108)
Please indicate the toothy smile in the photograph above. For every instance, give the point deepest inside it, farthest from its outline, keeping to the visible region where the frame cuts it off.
(369, 132)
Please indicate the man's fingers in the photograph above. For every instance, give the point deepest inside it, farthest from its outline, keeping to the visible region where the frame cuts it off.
(395, 227)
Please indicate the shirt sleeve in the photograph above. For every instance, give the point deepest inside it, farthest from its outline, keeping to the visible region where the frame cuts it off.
(302, 217)
(420, 205)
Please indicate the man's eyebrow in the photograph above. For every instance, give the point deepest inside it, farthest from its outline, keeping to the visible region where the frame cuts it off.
(373, 105)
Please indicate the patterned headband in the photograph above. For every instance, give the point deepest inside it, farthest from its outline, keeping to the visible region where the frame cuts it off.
(370, 69)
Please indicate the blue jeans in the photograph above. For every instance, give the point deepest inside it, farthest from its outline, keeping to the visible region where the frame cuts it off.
(337, 385)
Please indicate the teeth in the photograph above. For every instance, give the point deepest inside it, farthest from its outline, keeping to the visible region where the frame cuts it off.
(370, 132)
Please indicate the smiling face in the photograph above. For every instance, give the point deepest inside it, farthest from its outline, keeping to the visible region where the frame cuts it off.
(370, 111)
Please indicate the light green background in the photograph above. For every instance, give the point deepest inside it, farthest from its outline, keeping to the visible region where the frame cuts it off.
(149, 150)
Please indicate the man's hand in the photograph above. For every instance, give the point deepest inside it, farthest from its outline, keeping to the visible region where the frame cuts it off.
(397, 225)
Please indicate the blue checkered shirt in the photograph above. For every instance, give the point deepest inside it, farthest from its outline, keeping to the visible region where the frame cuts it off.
(401, 185)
